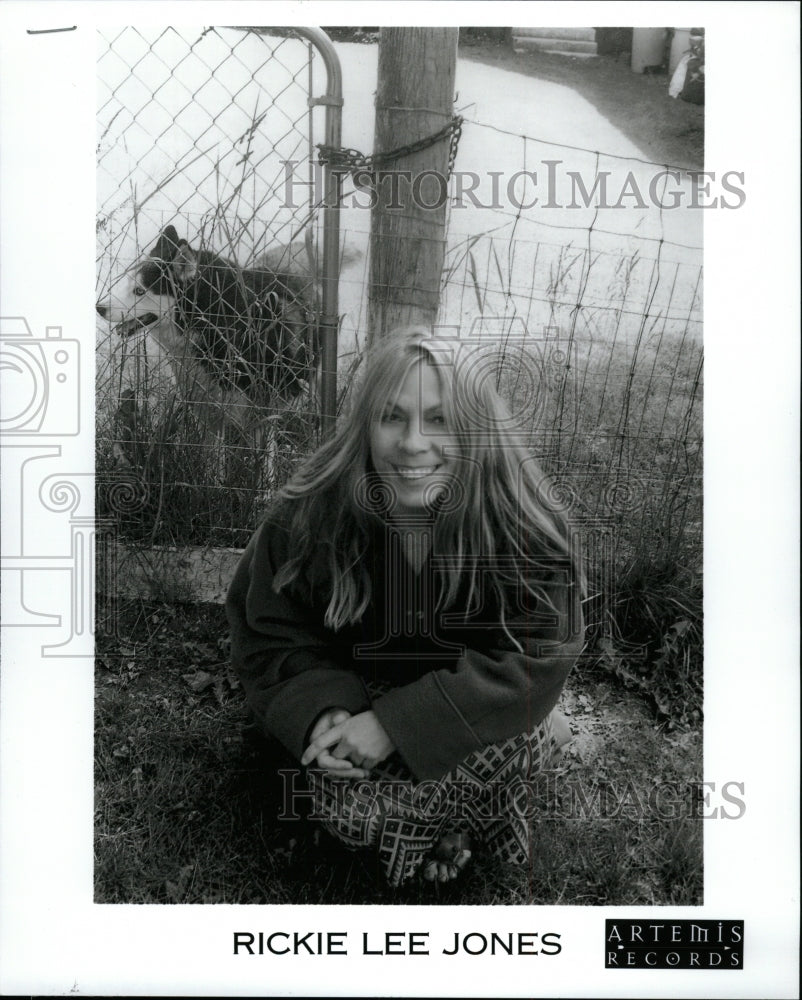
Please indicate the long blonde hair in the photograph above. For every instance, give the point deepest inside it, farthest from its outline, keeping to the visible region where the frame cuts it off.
(497, 505)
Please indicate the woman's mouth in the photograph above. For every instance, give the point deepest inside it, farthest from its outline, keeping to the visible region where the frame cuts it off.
(412, 473)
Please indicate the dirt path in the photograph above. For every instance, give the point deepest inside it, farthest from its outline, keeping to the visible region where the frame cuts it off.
(667, 130)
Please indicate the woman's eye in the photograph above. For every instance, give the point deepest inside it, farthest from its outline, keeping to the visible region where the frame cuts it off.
(391, 417)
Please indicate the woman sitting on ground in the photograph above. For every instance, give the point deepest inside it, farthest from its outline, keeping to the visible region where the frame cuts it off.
(405, 617)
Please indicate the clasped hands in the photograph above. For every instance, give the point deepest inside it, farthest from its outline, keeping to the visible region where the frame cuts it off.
(345, 745)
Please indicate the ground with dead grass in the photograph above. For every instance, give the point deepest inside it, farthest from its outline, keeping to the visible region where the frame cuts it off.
(186, 802)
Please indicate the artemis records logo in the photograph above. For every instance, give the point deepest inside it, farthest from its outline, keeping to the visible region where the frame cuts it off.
(674, 944)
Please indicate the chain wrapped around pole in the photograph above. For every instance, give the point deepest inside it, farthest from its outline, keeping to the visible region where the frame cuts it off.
(353, 162)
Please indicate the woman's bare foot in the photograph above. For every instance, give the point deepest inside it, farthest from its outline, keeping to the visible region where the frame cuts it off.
(449, 857)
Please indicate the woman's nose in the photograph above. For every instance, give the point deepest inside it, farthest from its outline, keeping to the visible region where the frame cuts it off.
(413, 439)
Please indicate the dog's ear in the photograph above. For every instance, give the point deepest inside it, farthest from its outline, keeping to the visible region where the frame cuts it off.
(185, 264)
(167, 244)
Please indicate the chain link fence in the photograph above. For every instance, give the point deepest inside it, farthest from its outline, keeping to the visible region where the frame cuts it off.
(207, 377)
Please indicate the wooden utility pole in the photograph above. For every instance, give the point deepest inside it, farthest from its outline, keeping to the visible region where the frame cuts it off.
(414, 99)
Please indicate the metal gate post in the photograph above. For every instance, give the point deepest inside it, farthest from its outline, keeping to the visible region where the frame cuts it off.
(332, 100)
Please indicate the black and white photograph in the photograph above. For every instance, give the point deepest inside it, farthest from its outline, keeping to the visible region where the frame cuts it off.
(398, 520)
(468, 484)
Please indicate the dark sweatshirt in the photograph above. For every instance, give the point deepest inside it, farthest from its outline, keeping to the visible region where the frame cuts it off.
(457, 681)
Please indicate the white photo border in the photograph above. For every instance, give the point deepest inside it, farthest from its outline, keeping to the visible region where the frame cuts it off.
(54, 938)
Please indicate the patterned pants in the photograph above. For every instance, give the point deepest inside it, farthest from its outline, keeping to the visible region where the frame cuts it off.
(487, 795)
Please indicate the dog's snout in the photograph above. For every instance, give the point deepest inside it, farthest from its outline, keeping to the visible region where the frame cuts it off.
(101, 310)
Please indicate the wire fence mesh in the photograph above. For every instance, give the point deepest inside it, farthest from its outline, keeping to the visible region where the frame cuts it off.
(207, 358)
(597, 318)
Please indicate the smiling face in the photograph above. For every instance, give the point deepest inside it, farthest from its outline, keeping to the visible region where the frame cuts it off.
(408, 441)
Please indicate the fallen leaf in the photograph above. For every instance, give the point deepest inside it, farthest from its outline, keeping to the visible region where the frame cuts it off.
(199, 681)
